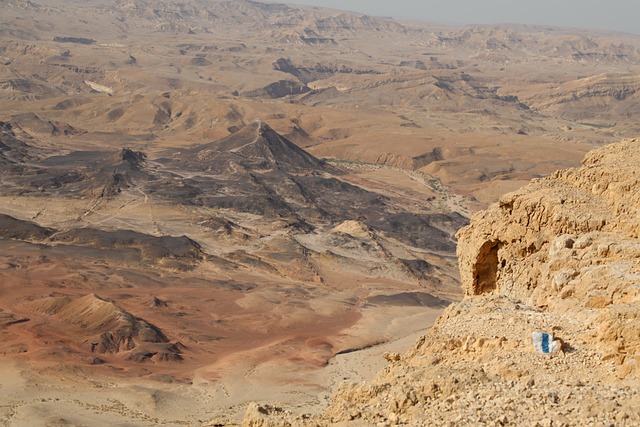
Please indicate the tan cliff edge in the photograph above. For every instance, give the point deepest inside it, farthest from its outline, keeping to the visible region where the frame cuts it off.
(561, 255)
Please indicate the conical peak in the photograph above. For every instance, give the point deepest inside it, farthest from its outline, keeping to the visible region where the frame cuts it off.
(262, 128)
(277, 148)
(256, 147)
(134, 158)
(265, 131)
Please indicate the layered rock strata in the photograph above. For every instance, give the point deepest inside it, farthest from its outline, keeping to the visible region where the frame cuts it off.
(561, 256)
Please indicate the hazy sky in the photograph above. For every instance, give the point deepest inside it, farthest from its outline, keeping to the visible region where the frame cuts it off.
(620, 15)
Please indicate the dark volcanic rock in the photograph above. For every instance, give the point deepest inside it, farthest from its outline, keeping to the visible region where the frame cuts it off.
(420, 299)
(57, 179)
(91, 172)
(157, 302)
(304, 74)
(36, 124)
(314, 41)
(254, 170)
(258, 171)
(135, 159)
(150, 248)
(316, 72)
(115, 185)
(432, 231)
(12, 228)
(180, 253)
(12, 149)
(16, 156)
(255, 147)
(79, 40)
(280, 89)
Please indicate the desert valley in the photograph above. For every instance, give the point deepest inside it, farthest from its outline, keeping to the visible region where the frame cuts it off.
(240, 213)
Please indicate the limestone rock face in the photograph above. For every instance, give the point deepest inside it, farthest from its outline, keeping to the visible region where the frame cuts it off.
(570, 243)
(560, 256)
(577, 209)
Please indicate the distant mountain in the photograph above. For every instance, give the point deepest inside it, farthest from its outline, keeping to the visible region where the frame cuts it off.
(200, 16)
(594, 99)
(254, 170)
(254, 147)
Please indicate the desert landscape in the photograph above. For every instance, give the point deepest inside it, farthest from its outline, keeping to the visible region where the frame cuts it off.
(242, 213)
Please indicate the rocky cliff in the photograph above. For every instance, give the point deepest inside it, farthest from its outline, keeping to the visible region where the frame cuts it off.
(560, 256)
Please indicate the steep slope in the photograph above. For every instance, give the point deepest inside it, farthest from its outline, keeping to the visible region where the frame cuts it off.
(12, 228)
(13, 150)
(568, 243)
(179, 253)
(598, 100)
(127, 170)
(102, 327)
(250, 223)
(156, 74)
(254, 180)
(254, 147)
(256, 170)
(560, 256)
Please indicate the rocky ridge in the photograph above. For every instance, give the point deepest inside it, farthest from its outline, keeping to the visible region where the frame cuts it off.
(253, 211)
(253, 171)
(210, 78)
(107, 189)
(560, 256)
(574, 98)
(103, 327)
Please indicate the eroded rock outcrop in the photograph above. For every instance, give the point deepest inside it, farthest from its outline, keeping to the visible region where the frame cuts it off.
(562, 256)
(102, 327)
(569, 243)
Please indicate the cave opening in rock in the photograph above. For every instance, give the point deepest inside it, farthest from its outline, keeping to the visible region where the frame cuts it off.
(486, 268)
